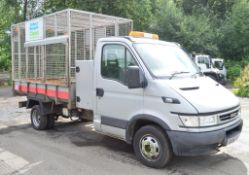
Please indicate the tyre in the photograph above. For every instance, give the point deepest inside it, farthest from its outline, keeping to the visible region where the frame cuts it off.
(152, 146)
(38, 121)
(51, 121)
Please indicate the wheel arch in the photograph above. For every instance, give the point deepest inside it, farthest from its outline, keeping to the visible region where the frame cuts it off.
(46, 107)
(141, 120)
(31, 103)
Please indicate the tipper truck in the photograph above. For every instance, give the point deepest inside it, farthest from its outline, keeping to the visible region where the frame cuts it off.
(132, 85)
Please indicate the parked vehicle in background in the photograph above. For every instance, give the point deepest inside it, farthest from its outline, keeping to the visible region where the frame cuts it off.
(204, 62)
(219, 64)
(135, 88)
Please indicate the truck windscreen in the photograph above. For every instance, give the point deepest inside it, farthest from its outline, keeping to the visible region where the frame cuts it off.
(218, 64)
(165, 60)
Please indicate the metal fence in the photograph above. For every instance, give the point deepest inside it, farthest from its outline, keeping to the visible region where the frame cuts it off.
(69, 35)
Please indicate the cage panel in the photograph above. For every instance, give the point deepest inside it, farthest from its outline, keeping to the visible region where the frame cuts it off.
(31, 63)
(55, 63)
(55, 59)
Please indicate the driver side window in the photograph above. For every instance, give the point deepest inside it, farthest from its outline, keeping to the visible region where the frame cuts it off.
(115, 61)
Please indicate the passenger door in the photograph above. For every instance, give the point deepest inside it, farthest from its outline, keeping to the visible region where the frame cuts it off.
(115, 102)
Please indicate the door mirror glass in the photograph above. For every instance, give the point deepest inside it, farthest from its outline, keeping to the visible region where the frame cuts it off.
(135, 78)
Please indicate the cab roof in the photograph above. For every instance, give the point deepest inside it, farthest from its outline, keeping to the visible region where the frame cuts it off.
(137, 40)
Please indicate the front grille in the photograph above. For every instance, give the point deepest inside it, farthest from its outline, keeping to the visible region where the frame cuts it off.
(229, 116)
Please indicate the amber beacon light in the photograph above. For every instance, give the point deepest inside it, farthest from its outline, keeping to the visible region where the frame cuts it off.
(143, 34)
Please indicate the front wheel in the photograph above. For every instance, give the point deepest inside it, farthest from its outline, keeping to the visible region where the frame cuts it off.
(152, 146)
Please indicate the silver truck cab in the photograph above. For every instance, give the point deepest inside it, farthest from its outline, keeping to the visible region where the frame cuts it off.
(149, 93)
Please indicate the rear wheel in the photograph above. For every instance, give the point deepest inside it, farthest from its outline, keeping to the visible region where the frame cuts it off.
(38, 121)
(152, 146)
(51, 121)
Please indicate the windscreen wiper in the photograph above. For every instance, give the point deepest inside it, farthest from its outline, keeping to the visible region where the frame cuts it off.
(176, 73)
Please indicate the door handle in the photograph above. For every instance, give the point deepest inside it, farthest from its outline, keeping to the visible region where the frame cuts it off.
(99, 92)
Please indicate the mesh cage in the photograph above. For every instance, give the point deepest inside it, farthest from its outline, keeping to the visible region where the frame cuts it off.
(15, 52)
(54, 63)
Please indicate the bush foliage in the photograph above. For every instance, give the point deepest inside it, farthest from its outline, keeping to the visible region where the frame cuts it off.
(233, 69)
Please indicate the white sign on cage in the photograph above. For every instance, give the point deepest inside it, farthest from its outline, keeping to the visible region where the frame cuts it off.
(34, 29)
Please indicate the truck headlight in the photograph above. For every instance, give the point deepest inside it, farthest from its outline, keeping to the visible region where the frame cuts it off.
(190, 121)
(209, 120)
(199, 121)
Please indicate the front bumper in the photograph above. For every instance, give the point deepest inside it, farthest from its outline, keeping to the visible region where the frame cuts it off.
(201, 143)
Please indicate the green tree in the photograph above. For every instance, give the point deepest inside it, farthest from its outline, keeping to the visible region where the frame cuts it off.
(191, 6)
(138, 10)
(7, 14)
(234, 41)
(193, 32)
(220, 8)
(217, 8)
(167, 21)
(197, 34)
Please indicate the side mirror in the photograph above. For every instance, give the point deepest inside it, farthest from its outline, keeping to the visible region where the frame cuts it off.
(135, 78)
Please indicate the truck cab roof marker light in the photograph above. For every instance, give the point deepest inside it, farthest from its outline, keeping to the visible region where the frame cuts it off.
(143, 35)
